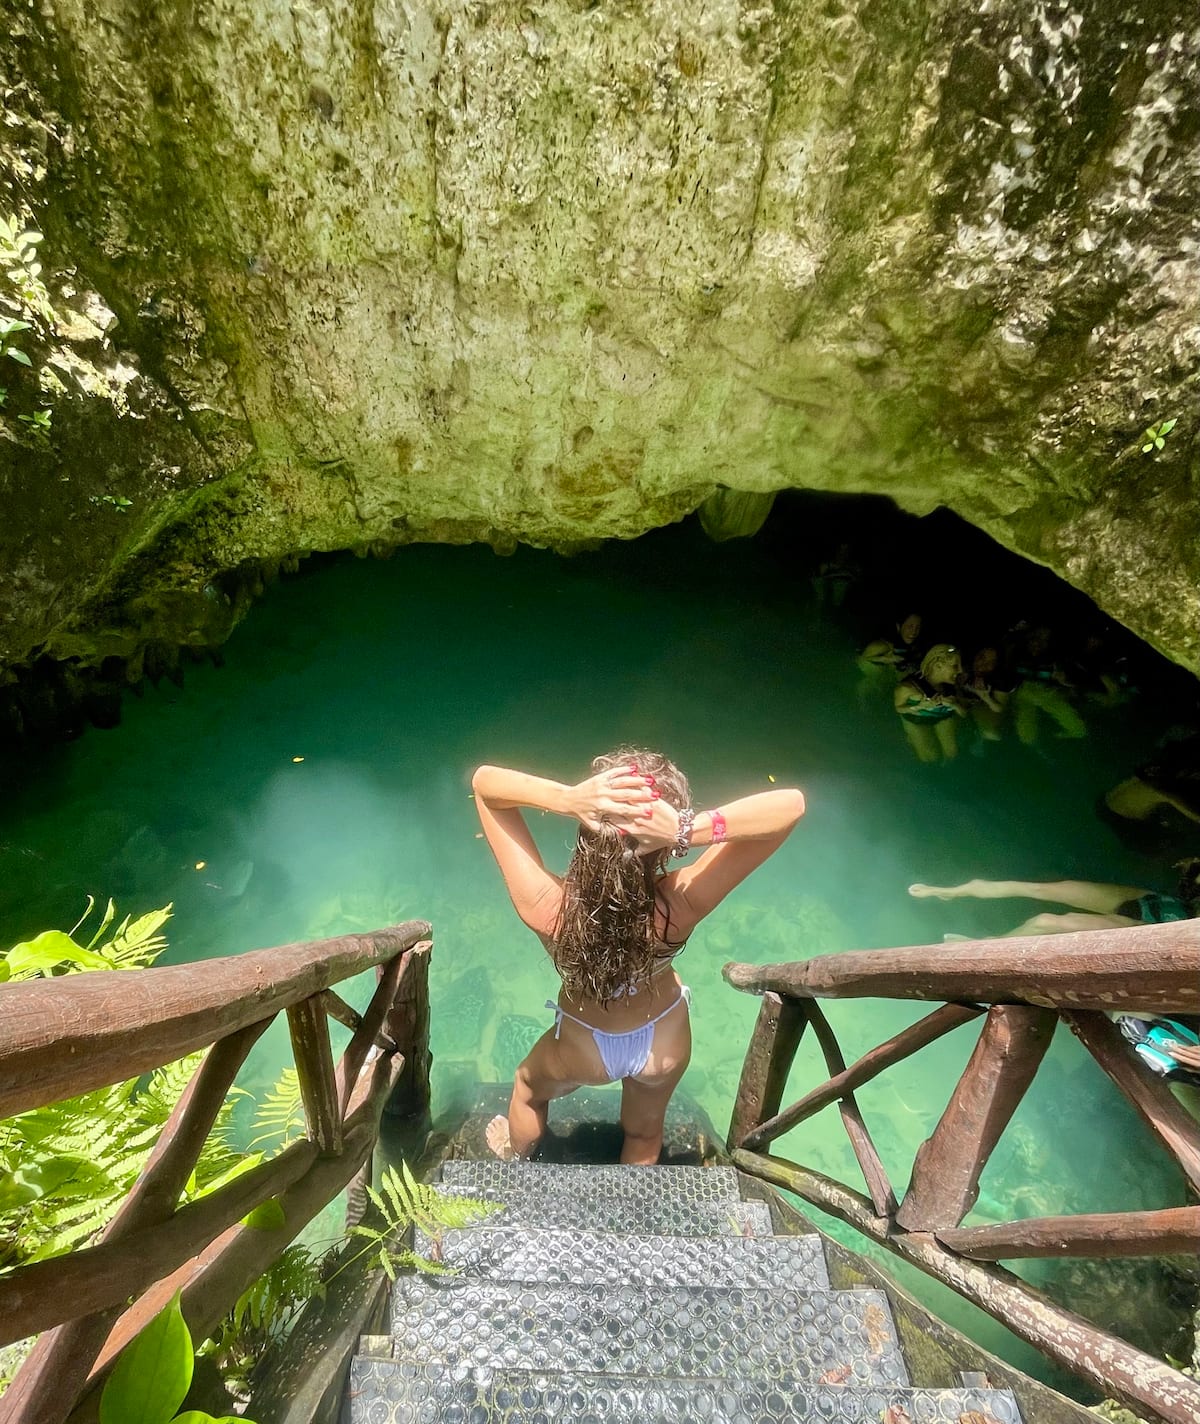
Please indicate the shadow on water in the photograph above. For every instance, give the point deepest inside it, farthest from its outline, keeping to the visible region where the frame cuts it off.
(320, 784)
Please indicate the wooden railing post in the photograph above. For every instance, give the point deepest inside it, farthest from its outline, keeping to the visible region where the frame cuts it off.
(945, 1175)
(777, 1032)
(314, 1070)
(407, 1025)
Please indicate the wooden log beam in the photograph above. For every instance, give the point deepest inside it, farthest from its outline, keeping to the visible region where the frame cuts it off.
(337, 1008)
(1149, 968)
(213, 1280)
(1111, 1366)
(879, 1187)
(1174, 1127)
(1166, 1232)
(50, 1380)
(945, 1175)
(407, 1025)
(777, 1033)
(903, 1045)
(66, 1036)
(35, 1297)
(314, 1070)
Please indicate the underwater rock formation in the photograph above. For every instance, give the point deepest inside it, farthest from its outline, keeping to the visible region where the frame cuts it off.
(326, 277)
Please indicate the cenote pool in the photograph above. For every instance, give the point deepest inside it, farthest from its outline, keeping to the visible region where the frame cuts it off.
(319, 783)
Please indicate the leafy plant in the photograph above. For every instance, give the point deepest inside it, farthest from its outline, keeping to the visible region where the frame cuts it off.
(265, 1313)
(19, 262)
(153, 1375)
(1155, 436)
(38, 422)
(405, 1202)
(117, 502)
(135, 945)
(279, 1118)
(9, 329)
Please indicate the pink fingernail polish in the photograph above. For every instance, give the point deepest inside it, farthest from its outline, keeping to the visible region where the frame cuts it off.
(633, 768)
(654, 795)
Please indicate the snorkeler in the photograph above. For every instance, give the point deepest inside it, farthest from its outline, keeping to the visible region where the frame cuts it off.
(1097, 905)
(614, 923)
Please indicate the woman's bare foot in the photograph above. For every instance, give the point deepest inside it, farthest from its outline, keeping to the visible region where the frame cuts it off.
(496, 1134)
(929, 892)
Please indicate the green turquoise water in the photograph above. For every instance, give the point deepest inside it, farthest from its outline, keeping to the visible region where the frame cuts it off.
(392, 681)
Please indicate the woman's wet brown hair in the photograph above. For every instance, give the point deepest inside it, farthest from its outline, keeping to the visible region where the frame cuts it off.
(606, 936)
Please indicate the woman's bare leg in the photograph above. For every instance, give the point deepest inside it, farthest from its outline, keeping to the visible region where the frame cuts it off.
(1101, 899)
(537, 1080)
(643, 1112)
(946, 732)
(922, 741)
(644, 1099)
(1044, 924)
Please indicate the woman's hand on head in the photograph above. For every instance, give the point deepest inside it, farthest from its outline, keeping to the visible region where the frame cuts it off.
(655, 825)
(618, 796)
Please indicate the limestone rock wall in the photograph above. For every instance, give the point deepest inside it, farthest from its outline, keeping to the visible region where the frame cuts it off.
(560, 270)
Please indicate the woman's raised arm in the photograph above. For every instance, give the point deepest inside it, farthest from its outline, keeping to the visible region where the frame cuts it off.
(501, 793)
(739, 835)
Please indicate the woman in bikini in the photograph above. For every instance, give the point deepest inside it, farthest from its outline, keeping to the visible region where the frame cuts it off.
(614, 923)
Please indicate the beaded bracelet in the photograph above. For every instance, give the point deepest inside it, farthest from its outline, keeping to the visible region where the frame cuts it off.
(683, 838)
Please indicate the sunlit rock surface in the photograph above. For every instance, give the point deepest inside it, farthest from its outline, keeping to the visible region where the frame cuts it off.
(561, 271)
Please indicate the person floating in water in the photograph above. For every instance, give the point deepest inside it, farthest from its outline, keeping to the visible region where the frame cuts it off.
(613, 925)
(1094, 905)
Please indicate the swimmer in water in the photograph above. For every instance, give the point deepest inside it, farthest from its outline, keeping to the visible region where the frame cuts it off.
(1094, 905)
(613, 925)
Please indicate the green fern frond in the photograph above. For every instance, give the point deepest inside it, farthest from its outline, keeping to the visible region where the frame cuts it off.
(137, 943)
(280, 1117)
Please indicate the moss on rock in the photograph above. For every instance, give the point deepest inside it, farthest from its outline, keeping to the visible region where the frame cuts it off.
(556, 273)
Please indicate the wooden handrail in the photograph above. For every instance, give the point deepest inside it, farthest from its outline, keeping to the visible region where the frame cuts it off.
(1027, 985)
(62, 1037)
(114, 1027)
(1150, 969)
(1113, 1367)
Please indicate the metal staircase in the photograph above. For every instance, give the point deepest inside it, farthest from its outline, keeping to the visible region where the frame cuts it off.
(637, 1293)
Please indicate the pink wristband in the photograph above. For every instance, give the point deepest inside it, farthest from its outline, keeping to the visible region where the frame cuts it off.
(718, 827)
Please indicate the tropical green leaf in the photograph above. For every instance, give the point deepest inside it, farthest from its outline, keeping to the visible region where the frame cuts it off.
(146, 926)
(48, 951)
(5, 971)
(1167, 426)
(198, 1416)
(153, 1373)
(267, 1216)
(231, 1174)
(14, 353)
(104, 923)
